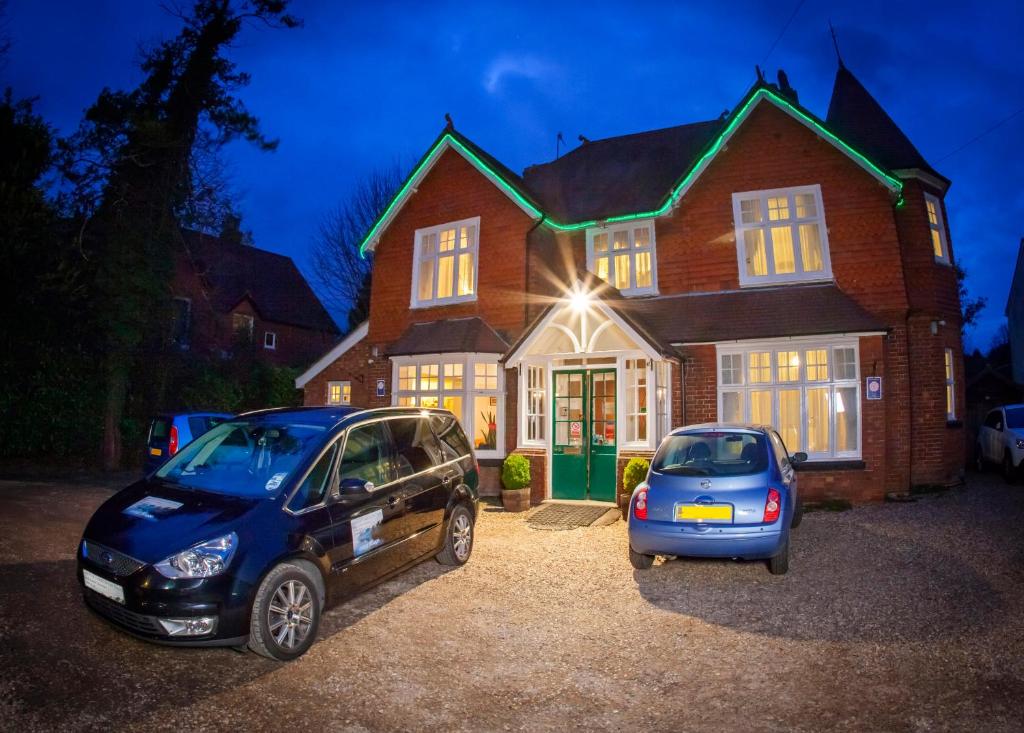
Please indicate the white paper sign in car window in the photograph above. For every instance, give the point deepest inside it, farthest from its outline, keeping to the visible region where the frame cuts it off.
(364, 532)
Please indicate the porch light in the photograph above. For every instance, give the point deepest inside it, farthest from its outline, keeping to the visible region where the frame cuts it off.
(579, 300)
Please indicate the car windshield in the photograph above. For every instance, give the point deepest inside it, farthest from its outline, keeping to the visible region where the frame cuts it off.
(243, 458)
(1015, 418)
(713, 453)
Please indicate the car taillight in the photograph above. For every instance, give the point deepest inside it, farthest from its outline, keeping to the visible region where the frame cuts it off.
(772, 506)
(172, 443)
(640, 503)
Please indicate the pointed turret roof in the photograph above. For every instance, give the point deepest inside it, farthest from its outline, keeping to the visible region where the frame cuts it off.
(857, 117)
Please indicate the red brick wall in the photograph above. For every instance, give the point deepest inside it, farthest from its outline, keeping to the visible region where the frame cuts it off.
(538, 472)
(352, 366)
(451, 191)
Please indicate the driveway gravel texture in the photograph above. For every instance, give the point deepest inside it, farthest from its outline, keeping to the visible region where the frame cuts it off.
(894, 617)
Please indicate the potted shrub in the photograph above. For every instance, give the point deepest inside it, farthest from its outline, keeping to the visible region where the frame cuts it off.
(515, 482)
(633, 474)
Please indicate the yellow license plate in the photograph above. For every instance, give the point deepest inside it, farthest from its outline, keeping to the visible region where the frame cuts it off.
(704, 512)
(155, 452)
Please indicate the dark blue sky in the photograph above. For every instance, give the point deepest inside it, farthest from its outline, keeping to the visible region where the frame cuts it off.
(362, 85)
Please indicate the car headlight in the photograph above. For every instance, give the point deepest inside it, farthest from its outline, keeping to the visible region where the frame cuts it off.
(200, 561)
(1020, 443)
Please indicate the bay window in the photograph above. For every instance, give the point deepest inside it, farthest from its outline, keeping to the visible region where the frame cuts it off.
(470, 385)
(809, 391)
(624, 256)
(445, 263)
(781, 236)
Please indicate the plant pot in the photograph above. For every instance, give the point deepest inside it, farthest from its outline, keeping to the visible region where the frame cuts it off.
(515, 500)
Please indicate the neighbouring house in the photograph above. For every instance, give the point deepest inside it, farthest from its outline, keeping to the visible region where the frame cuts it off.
(1015, 317)
(226, 292)
(769, 267)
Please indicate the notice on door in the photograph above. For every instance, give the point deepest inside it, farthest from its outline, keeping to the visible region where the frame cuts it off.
(575, 430)
(365, 531)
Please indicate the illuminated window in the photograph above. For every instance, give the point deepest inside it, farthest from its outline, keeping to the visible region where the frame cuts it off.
(636, 400)
(624, 255)
(445, 263)
(470, 385)
(536, 401)
(937, 227)
(950, 387)
(811, 394)
(781, 236)
(339, 393)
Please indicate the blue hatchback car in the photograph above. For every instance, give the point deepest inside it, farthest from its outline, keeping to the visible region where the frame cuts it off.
(168, 433)
(717, 491)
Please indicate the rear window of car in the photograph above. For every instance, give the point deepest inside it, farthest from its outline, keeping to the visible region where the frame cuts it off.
(713, 453)
(416, 448)
(454, 444)
(159, 429)
(1015, 418)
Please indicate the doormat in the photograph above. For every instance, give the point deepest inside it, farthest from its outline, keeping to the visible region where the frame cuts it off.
(566, 516)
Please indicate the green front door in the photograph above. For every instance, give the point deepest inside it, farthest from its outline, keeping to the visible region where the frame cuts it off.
(602, 435)
(583, 451)
(569, 450)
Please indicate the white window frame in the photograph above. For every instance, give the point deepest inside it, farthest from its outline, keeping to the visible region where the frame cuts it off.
(272, 346)
(467, 392)
(473, 249)
(526, 414)
(802, 384)
(632, 251)
(939, 225)
(343, 398)
(950, 384)
(772, 278)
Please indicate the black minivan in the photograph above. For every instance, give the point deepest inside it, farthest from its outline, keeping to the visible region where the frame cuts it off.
(250, 531)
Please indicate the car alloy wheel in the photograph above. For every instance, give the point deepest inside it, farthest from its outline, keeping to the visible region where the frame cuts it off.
(462, 536)
(290, 614)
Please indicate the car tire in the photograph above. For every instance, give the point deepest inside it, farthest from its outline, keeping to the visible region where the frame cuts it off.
(458, 538)
(779, 564)
(1009, 473)
(277, 628)
(798, 514)
(640, 561)
(979, 459)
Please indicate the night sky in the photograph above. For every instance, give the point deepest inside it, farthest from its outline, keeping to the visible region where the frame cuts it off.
(362, 85)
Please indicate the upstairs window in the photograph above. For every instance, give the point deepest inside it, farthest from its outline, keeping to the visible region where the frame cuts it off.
(269, 340)
(242, 325)
(938, 228)
(950, 387)
(624, 256)
(781, 236)
(445, 263)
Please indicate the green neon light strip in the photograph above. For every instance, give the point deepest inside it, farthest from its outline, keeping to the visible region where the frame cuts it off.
(670, 201)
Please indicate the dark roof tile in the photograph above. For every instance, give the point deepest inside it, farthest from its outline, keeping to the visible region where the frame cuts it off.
(456, 335)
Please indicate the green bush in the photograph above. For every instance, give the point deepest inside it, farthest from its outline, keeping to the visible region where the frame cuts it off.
(515, 472)
(635, 472)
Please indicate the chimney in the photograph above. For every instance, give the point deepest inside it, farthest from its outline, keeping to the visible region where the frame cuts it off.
(231, 229)
(785, 89)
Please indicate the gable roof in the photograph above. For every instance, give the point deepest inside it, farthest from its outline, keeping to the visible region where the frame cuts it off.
(233, 272)
(545, 191)
(352, 338)
(456, 335)
(858, 117)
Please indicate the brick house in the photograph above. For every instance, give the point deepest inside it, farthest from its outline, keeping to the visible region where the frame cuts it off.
(769, 266)
(225, 290)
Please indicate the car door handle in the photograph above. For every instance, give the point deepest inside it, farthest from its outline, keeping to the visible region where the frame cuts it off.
(446, 479)
(392, 501)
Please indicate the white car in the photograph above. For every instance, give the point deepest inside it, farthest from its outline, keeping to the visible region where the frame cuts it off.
(1001, 440)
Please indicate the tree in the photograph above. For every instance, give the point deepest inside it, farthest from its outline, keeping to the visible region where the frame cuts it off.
(969, 307)
(344, 275)
(131, 167)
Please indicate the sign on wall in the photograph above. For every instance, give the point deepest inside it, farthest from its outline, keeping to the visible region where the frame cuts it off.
(874, 388)
(382, 388)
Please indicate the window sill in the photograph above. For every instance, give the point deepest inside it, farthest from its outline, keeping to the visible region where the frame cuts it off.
(772, 282)
(441, 303)
(840, 465)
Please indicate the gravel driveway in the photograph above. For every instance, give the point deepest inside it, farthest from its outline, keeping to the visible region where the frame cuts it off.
(892, 617)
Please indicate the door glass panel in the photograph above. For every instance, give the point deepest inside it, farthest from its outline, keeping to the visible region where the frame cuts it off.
(416, 448)
(366, 454)
(603, 409)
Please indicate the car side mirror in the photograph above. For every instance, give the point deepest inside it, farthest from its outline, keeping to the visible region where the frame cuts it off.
(351, 486)
(798, 458)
